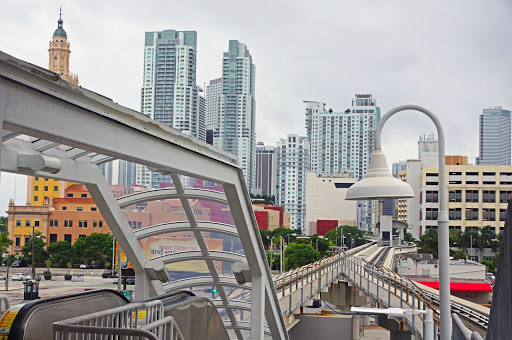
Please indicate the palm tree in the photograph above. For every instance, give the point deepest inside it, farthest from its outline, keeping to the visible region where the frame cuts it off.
(483, 239)
(464, 239)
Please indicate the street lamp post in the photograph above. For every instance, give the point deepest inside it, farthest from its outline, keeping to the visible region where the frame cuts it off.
(380, 184)
(33, 252)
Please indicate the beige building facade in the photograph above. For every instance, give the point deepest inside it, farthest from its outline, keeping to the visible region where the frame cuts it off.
(477, 196)
(325, 200)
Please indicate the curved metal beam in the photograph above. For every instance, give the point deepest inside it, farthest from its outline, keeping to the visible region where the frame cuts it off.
(204, 281)
(170, 193)
(173, 227)
(234, 304)
(215, 255)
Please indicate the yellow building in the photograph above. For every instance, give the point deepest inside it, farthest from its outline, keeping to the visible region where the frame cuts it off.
(38, 189)
(478, 196)
(22, 219)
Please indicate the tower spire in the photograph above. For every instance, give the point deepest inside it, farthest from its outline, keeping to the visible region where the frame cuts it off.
(60, 12)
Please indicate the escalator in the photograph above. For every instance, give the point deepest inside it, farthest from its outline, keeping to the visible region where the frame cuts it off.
(196, 317)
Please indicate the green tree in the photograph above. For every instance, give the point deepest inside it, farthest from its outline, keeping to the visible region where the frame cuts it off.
(297, 255)
(428, 243)
(287, 234)
(265, 238)
(95, 248)
(5, 242)
(408, 237)
(349, 232)
(484, 239)
(60, 253)
(458, 254)
(3, 224)
(40, 253)
(276, 261)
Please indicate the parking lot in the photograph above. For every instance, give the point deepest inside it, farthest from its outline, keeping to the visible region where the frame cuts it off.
(83, 279)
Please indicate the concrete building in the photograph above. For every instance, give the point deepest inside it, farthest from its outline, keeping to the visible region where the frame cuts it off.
(119, 172)
(40, 188)
(325, 200)
(235, 129)
(265, 170)
(478, 196)
(169, 91)
(397, 167)
(293, 163)
(344, 142)
(213, 95)
(409, 209)
(494, 141)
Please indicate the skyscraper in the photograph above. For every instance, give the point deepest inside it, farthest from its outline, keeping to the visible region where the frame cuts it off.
(39, 188)
(344, 142)
(213, 95)
(494, 137)
(265, 170)
(293, 164)
(169, 92)
(235, 126)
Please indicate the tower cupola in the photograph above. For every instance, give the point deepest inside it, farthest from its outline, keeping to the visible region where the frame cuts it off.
(59, 32)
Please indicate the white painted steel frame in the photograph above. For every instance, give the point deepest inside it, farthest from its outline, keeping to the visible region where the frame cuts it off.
(37, 103)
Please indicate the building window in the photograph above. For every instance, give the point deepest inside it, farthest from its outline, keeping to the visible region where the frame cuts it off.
(55, 188)
(27, 223)
(56, 223)
(80, 224)
(46, 188)
(100, 224)
(488, 214)
(472, 196)
(431, 197)
(18, 223)
(455, 214)
(67, 238)
(455, 195)
(94, 209)
(80, 236)
(71, 223)
(64, 208)
(51, 223)
(94, 224)
(431, 214)
(505, 196)
(36, 188)
(36, 223)
(53, 238)
(489, 196)
(18, 242)
(27, 240)
(69, 195)
(85, 223)
(471, 214)
(83, 195)
(79, 209)
(36, 198)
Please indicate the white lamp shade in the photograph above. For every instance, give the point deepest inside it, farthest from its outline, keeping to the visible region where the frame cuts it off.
(379, 184)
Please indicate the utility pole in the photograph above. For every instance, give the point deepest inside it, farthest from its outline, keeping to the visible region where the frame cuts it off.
(33, 252)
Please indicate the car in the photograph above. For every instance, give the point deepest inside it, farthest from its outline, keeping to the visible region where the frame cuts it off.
(490, 277)
(83, 266)
(130, 280)
(2, 276)
(29, 277)
(19, 263)
(19, 277)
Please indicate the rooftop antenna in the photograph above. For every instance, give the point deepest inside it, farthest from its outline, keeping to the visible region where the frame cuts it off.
(60, 12)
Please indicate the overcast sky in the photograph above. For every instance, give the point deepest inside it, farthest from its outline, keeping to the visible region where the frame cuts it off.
(453, 57)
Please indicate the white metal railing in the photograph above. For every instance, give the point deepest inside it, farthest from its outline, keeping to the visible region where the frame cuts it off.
(308, 280)
(135, 321)
(461, 332)
(4, 300)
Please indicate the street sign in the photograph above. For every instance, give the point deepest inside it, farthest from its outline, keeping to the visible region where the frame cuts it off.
(128, 294)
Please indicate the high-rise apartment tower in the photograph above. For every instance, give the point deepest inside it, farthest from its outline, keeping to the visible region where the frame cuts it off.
(169, 92)
(235, 130)
(265, 169)
(293, 164)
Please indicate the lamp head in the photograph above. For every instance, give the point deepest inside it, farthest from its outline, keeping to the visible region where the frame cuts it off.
(379, 184)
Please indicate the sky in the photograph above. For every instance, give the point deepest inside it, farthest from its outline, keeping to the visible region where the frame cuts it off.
(452, 57)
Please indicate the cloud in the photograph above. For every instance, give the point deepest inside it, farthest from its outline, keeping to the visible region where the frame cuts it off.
(452, 57)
